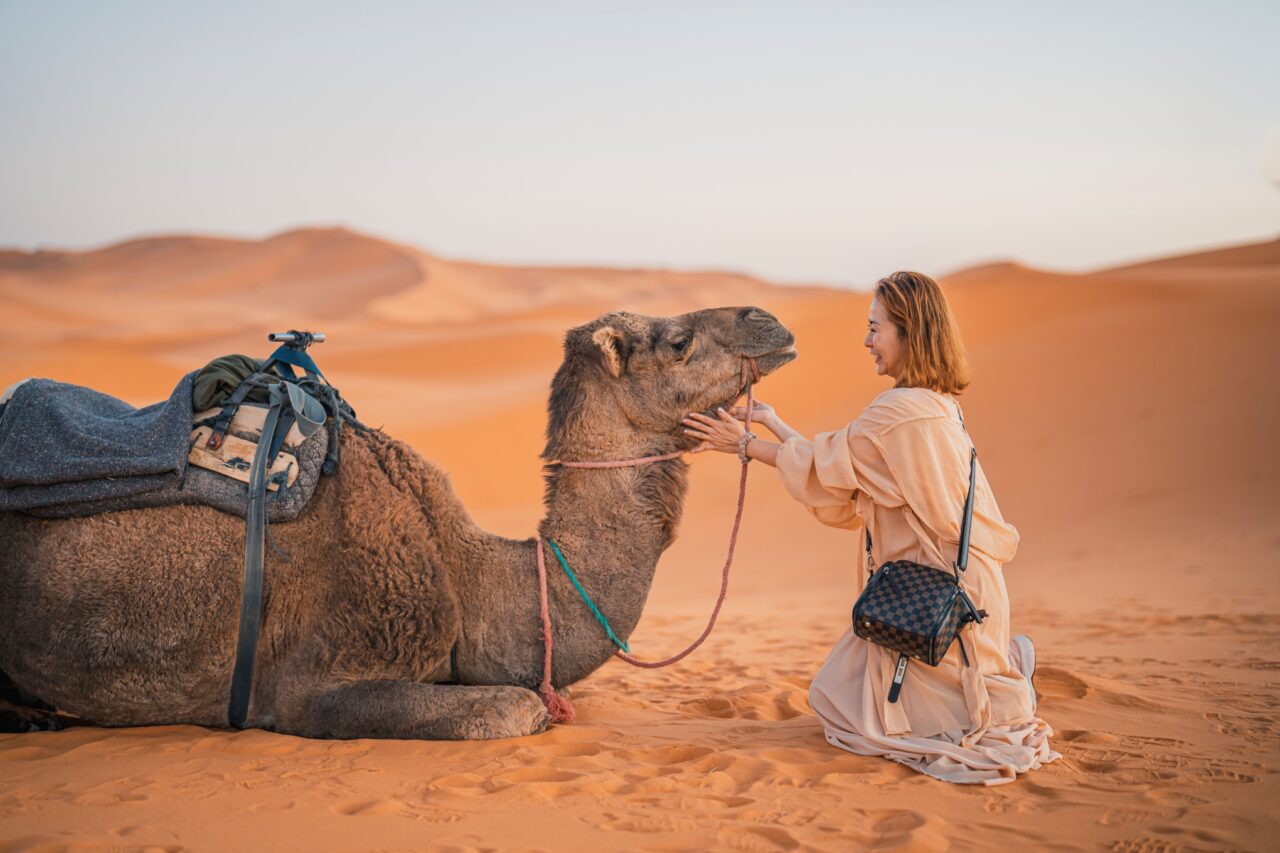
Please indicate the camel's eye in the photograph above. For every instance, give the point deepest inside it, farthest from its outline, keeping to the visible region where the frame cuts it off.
(681, 345)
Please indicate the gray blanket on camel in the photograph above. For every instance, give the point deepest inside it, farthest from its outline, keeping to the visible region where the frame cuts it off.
(66, 444)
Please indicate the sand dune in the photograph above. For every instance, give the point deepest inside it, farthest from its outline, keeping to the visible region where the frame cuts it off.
(1127, 419)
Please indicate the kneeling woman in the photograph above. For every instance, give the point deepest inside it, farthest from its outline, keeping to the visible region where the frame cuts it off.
(902, 471)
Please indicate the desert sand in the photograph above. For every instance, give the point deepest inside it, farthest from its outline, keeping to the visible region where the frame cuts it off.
(1126, 418)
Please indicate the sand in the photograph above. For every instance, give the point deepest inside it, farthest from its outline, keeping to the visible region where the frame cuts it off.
(1127, 420)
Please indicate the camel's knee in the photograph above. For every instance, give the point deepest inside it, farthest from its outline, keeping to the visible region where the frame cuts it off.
(505, 712)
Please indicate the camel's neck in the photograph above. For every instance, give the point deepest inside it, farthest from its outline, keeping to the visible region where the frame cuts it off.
(610, 524)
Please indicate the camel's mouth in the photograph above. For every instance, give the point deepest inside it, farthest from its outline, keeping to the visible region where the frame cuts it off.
(771, 361)
(765, 364)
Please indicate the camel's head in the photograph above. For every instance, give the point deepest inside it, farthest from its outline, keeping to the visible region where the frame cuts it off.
(653, 371)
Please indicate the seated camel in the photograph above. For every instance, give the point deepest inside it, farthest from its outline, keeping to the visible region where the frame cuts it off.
(396, 616)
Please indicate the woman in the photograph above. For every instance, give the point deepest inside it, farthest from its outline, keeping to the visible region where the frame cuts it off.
(901, 470)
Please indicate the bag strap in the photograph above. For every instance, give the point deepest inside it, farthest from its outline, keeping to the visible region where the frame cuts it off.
(962, 558)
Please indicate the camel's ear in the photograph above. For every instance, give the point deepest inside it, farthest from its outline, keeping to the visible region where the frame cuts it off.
(613, 346)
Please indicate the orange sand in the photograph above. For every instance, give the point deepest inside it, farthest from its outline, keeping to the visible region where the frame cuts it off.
(1127, 419)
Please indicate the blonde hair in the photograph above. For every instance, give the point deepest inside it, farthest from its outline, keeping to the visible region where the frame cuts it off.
(933, 356)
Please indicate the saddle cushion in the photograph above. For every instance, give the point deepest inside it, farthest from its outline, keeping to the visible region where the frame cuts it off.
(62, 443)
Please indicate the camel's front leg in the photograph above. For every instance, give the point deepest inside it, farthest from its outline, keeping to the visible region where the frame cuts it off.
(407, 710)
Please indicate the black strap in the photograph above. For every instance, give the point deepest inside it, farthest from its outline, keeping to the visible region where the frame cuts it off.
(254, 531)
(896, 687)
(223, 419)
(287, 419)
(962, 559)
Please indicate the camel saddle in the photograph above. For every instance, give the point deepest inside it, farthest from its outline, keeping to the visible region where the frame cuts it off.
(294, 413)
(256, 450)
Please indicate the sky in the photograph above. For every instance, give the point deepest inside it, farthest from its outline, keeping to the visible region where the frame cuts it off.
(818, 142)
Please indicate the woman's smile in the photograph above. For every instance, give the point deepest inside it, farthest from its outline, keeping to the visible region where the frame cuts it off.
(882, 341)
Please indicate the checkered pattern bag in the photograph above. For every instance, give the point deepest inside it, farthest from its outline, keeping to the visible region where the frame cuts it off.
(917, 610)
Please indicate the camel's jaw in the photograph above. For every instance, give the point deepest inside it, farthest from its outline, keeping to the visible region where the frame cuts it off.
(771, 361)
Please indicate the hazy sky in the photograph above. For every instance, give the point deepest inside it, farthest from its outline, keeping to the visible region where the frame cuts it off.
(803, 141)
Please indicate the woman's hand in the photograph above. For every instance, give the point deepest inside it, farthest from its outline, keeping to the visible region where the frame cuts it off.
(719, 433)
(761, 413)
(764, 415)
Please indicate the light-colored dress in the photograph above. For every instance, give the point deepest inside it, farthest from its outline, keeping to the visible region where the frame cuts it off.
(902, 469)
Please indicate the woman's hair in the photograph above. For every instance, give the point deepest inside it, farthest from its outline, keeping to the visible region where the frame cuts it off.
(933, 356)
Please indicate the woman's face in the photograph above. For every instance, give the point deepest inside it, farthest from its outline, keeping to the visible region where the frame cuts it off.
(883, 341)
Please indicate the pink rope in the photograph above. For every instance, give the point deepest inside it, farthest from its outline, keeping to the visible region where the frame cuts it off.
(560, 708)
(621, 463)
(728, 560)
(748, 364)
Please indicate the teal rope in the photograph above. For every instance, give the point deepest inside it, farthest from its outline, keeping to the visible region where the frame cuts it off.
(595, 611)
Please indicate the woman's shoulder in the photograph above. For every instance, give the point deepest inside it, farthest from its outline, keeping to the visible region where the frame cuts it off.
(900, 405)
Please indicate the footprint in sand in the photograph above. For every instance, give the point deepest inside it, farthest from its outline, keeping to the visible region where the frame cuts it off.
(757, 838)
(1254, 728)
(651, 822)
(1223, 772)
(665, 756)
(759, 702)
(1003, 805)
(1055, 683)
(133, 832)
(715, 706)
(878, 829)
(1160, 845)
(1175, 798)
(788, 816)
(369, 808)
(572, 750)
(537, 784)
(382, 807)
(99, 797)
(1126, 816)
(742, 770)
(1087, 736)
(536, 774)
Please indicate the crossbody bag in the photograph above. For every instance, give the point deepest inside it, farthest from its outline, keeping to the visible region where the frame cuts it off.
(917, 610)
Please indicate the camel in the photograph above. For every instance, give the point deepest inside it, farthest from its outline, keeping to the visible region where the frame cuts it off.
(396, 616)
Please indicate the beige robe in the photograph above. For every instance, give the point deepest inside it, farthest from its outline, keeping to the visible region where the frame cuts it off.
(902, 470)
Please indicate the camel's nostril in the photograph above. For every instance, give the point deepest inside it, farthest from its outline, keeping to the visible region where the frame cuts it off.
(755, 315)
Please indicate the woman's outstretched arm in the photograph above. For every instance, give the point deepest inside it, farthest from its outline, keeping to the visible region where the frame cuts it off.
(765, 451)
